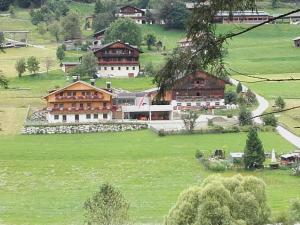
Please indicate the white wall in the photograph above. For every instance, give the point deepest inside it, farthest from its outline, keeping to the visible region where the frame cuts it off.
(200, 103)
(82, 118)
(123, 72)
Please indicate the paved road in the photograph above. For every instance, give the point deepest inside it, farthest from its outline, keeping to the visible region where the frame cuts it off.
(263, 105)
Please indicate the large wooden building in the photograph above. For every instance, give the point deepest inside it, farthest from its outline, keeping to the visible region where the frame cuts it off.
(198, 90)
(118, 59)
(79, 102)
(138, 15)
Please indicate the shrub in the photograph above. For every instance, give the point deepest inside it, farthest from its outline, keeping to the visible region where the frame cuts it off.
(210, 122)
(270, 120)
(161, 133)
(229, 115)
(198, 154)
(230, 97)
(217, 166)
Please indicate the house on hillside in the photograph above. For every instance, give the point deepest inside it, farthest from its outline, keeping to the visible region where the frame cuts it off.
(297, 42)
(98, 38)
(79, 102)
(197, 91)
(138, 15)
(248, 17)
(118, 59)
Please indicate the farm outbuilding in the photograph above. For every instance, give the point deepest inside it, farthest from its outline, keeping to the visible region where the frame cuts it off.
(297, 42)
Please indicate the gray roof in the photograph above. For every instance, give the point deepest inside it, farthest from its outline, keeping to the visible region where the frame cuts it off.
(111, 43)
(132, 95)
(71, 63)
(244, 13)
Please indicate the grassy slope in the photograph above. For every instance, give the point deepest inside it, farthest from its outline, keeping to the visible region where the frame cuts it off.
(45, 179)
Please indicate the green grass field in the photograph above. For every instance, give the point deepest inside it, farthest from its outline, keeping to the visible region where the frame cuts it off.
(45, 179)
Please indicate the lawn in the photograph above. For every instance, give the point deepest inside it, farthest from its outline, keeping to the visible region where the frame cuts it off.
(46, 179)
(289, 90)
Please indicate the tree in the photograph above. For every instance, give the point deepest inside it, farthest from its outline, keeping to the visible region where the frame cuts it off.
(174, 14)
(107, 206)
(294, 211)
(230, 97)
(254, 155)
(124, 29)
(60, 53)
(280, 103)
(245, 116)
(20, 66)
(4, 4)
(2, 40)
(239, 88)
(55, 30)
(41, 28)
(274, 3)
(33, 64)
(71, 26)
(58, 7)
(99, 7)
(270, 120)
(3, 80)
(189, 119)
(102, 21)
(224, 201)
(12, 11)
(48, 63)
(150, 40)
(89, 65)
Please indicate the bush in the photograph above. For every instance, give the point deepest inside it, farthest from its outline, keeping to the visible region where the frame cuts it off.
(230, 97)
(198, 154)
(217, 166)
(270, 120)
(161, 133)
(210, 122)
(229, 115)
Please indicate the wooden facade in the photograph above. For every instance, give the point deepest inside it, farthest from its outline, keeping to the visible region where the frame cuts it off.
(134, 13)
(198, 86)
(119, 59)
(79, 100)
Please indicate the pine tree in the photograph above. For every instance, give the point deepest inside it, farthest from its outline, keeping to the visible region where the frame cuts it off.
(239, 88)
(99, 7)
(254, 156)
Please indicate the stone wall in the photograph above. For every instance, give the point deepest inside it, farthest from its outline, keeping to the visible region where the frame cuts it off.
(82, 128)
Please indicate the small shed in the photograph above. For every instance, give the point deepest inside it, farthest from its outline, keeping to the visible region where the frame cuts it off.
(297, 42)
(290, 158)
(235, 157)
(67, 66)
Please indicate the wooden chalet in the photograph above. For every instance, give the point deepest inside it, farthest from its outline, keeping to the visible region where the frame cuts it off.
(79, 102)
(138, 15)
(98, 38)
(297, 42)
(198, 90)
(68, 66)
(118, 59)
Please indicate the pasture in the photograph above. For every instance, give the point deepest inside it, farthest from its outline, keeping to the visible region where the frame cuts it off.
(46, 179)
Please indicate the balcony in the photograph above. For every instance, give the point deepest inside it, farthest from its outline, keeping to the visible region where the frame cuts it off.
(78, 98)
(77, 110)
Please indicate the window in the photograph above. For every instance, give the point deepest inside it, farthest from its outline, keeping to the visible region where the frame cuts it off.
(61, 105)
(83, 93)
(133, 68)
(217, 103)
(95, 116)
(77, 118)
(198, 103)
(104, 104)
(198, 94)
(105, 68)
(188, 104)
(127, 68)
(105, 116)
(88, 116)
(88, 104)
(61, 94)
(69, 93)
(73, 105)
(64, 118)
(119, 68)
(74, 93)
(56, 117)
(112, 68)
(178, 103)
(55, 105)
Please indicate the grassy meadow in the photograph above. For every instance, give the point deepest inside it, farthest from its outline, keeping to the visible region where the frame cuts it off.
(46, 179)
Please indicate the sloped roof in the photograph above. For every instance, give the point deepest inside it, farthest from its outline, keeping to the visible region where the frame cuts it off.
(111, 43)
(296, 39)
(82, 82)
(131, 7)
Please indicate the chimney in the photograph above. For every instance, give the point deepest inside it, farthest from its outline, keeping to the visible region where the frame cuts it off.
(75, 78)
(108, 85)
(92, 82)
